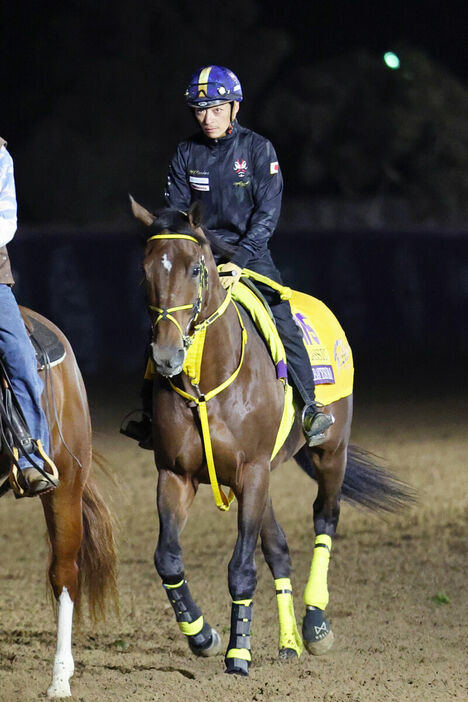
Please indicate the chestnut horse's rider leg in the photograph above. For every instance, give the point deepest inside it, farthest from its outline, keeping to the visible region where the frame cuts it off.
(175, 496)
(276, 552)
(330, 465)
(242, 571)
(20, 361)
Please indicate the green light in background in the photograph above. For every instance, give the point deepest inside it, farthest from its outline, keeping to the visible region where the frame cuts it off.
(391, 60)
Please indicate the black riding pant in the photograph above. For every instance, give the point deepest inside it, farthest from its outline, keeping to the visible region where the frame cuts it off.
(299, 369)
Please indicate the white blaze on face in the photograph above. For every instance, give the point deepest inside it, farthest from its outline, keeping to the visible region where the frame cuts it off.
(167, 264)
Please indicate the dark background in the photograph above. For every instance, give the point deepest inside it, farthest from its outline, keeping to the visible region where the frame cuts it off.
(375, 160)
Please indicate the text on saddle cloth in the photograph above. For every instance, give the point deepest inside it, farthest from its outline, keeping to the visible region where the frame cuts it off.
(328, 349)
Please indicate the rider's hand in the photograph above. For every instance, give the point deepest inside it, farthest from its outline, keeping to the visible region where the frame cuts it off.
(233, 277)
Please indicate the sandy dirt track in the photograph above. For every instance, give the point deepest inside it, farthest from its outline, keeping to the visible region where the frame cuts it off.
(393, 642)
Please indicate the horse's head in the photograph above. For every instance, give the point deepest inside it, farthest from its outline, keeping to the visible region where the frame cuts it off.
(176, 266)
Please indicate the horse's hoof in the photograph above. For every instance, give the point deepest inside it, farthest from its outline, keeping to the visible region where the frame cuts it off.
(318, 648)
(287, 654)
(212, 649)
(316, 632)
(237, 666)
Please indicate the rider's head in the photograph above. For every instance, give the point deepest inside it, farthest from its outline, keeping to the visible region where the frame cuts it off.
(214, 93)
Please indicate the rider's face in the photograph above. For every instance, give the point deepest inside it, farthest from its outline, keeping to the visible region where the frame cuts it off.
(215, 121)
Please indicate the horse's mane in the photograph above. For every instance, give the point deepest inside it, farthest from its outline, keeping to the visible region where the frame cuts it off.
(173, 220)
(177, 221)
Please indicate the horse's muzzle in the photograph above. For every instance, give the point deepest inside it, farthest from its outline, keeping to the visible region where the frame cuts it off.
(168, 359)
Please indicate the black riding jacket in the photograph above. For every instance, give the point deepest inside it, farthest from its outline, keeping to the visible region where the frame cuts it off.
(239, 182)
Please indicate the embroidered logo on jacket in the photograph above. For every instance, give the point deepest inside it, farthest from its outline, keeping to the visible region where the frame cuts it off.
(274, 167)
(240, 167)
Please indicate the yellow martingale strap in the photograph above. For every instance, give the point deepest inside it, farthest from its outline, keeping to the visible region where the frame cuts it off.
(222, 502)
(316, 592)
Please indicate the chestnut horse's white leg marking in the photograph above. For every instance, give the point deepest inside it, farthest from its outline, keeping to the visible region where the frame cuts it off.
(63, 662)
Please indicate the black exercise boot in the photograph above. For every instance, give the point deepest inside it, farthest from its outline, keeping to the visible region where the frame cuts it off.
(315, 423)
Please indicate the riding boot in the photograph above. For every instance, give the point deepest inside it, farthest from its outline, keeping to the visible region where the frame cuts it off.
(315, 421)
(142, 429)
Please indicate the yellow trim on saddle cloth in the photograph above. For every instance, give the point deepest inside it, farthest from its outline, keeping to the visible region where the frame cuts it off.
(267, 329)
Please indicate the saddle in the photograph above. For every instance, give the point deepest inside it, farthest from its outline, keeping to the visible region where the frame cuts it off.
(48, 347)
(15, 437)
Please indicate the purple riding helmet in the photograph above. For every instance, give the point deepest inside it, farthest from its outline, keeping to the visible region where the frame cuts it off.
(211, 86)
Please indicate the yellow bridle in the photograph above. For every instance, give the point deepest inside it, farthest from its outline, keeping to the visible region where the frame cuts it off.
(165, 312)
(223, 502)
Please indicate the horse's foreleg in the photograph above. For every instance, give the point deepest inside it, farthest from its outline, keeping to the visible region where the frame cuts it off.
(175, 495)
(242, 571)
(64, 521)
(330, 464)
(276, 552)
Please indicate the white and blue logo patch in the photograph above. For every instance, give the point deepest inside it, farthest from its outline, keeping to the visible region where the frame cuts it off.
(199, 182)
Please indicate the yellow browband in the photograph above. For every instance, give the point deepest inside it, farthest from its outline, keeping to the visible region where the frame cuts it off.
(173, 236)
(222, 501)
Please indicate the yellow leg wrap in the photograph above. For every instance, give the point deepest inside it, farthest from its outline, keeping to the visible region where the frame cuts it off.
(191, 628)
(316, 592)
(289, 634)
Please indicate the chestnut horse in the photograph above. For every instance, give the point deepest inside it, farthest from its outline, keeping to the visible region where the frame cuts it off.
(226, 422)
(79, 525)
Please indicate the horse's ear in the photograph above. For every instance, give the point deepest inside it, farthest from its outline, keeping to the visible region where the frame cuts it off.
(195, 214)
(141, 213)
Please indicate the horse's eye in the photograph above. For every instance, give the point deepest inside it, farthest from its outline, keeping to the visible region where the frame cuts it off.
(196, 271)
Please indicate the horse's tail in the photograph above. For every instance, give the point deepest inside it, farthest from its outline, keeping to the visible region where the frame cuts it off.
(365, 483)
(97, 570)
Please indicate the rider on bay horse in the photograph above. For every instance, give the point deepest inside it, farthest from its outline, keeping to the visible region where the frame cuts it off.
(235, 173)
(16, 350)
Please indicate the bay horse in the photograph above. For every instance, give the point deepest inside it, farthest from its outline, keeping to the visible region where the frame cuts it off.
(79, 524)
(227, 421)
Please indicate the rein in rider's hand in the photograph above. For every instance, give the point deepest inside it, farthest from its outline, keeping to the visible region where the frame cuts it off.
(230, 274)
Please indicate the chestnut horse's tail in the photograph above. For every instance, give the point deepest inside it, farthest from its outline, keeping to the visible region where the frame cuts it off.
(365, 483)
(97, 555)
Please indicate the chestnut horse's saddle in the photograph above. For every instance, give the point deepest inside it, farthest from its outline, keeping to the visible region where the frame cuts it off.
(48, 347)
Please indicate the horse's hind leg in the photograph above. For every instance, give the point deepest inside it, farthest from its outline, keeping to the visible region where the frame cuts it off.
(175, 495)
(276, 552)
(330, 465)
(64, 522)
